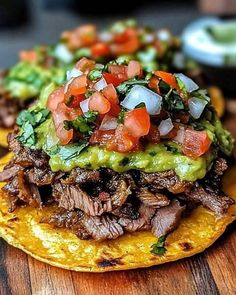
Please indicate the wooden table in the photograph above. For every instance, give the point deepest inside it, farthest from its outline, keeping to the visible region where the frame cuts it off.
(209, 273)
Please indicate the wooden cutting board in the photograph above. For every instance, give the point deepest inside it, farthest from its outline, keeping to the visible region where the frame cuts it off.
(208, 273)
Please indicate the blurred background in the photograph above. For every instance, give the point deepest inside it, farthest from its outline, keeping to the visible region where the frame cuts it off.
(25, 23)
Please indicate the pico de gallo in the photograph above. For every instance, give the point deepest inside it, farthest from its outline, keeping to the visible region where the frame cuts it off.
(119, 150)
(123, 109)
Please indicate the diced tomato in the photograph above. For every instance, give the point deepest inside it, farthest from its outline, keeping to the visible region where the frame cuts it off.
(74, 101)
(99, 103)
(118, 71)
(167, 78)
(153, 135)
(28, 55)
(55, 98)
(85, 65)
(76, 87)
(115, 110)
(154, 84)
(160, 48)
(110, 93)
(100, 50)
(127, 42)
(111, 79)
(134, 69)
(122, 141)
(137, 122)
(196, 143)
(126, 48)
(64, 135)
(101, 137)
(61, 114)
(87, 34)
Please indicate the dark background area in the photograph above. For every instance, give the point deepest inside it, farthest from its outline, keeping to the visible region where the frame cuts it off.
(26, 23)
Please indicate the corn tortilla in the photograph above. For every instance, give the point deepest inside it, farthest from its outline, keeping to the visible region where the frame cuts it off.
(61, 248)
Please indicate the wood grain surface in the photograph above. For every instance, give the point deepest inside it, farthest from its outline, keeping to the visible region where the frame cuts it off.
(208, 273)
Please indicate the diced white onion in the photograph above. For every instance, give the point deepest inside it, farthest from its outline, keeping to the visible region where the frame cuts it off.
(67, 85)
(148, 38)
(140, 94)
(165, 126)
(179, 60)
(180, 135)
(84, 105)
(188, 83)
(63, 53)
(105, 36)
(100, 84)
(163, 35)
(73, 74)
(108, 123)
(196, 106)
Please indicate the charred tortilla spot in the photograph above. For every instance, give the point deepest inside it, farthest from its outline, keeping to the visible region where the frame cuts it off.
(13, 219)
(186, 246)
(104, 262)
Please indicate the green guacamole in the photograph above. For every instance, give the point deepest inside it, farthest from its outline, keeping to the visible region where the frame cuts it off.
(155, 158)
(25, 80)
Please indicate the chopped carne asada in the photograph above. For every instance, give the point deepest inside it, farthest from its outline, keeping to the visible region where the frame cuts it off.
(117, 154)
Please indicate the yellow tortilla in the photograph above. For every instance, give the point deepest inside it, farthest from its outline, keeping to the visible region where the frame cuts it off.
(3, 136)
(61, 248)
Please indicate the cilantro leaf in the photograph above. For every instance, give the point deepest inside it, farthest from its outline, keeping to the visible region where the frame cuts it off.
(70, 151)
(28, 121)
(159, 247)
(96, 73)
(121, 117)
(125, 86)
(84, 124)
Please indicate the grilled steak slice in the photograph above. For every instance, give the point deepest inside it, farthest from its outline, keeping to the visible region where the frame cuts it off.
(24, 191)
(69, 219)
(127, 210)
(103, 227)
(219, 166)
(216, 201)
(40, 176)
(9, 172)
(121, 193)
(72, 196)
(167, 218)
(26, 157)
(164, 180)
(141, 223)
(82, 176)
(156, 200)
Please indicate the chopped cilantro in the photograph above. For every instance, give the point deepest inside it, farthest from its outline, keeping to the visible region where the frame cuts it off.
(140, 105)
(152, 153)
(27, 121)
(171, 148)
(84, 124)
(124, 161)
(95, 74)
(83, 52)
(70, 151)
(89, 93)
(121, 117)
(125, 86)
(159, 247)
